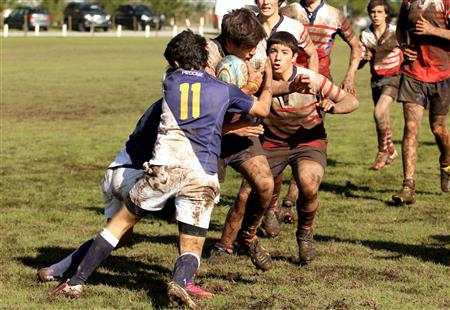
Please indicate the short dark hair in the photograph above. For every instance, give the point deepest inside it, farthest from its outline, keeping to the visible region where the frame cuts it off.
(243, 28)
(283, 38)
(384, 3)
(187, 51)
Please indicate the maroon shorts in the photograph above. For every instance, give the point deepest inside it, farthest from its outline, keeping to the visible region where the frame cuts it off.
(280, 157)
(432, 96)
(385, 85)
(235, 151)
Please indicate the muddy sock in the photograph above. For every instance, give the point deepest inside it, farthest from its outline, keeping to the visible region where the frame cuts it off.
(305, 219)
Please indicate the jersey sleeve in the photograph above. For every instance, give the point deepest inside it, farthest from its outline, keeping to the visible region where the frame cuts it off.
(239, 101)
(326, 89)
(304, 40)
(345, 31)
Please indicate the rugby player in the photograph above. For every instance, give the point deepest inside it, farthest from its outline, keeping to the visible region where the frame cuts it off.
(379, 46)
(183, 165)
(242, 35)
(294, 134)
(272, 21)
(323, 23)
(423, 31)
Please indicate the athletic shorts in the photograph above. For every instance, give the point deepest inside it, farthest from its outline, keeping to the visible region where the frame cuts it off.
(235, 151)
(195, 194)
(280, 157)
(432, 96)
(117, 182)
(385, 85)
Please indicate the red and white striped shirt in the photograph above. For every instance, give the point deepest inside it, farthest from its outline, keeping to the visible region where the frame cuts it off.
(295, 28)
(386, 56)
(294, 119)
(322, 24)
(433, 58)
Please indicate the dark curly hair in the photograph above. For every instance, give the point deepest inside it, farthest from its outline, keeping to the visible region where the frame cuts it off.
(187, 51)
(283, 38)
(243, 28)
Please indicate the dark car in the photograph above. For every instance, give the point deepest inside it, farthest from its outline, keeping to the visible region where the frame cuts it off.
(137, 16)
(30, 17)
(83, 16)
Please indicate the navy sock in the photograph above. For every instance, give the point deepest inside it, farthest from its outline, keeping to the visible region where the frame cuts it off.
(102, 246)
(185, 268)
(72, 260)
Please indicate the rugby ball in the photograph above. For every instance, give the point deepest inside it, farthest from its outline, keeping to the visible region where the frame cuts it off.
(233, 70)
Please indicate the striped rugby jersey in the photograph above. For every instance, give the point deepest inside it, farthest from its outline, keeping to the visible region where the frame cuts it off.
(433, 60)
(295, 28)
(193, 109)
(295, 119)
(322, 24)
(386, 55)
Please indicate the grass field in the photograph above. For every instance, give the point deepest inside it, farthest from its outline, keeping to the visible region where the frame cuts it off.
(67, 107)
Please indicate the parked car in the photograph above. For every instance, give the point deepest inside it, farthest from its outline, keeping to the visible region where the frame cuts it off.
(32, 16)
(137, 16)
(84, 15)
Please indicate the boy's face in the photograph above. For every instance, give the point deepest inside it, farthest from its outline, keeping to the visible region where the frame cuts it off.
(267, 8)
(281, 58)
(378, 15)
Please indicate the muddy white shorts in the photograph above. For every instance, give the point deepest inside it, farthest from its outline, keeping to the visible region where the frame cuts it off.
(195, 193)
(117, 182)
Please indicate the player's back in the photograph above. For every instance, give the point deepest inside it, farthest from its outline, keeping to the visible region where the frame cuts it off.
(193, 110)
(323, 24)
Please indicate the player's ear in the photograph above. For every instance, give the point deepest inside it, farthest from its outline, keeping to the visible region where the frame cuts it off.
(294, 57)
(177, 64)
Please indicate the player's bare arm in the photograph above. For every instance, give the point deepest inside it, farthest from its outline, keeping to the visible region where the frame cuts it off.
(255, 78)
(424, 27)
(347, 104)
(312, 57)
(301, 84)
(243, 128)
(348, 84)
(261, 107)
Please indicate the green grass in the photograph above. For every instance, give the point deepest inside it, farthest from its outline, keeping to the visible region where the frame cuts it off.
(67, 107)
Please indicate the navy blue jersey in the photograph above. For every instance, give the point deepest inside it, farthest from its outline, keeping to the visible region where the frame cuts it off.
(141, 142)
(193, 110)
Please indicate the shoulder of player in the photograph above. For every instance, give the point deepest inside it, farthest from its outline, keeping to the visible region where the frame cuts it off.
(367, 34)
(288, 21)
(391, 27)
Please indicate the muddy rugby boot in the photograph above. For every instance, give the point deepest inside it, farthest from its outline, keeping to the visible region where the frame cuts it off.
(445, 178)
(306, 249)
(406, 195)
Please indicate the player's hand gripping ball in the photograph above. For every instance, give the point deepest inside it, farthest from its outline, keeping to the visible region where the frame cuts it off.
(233, 70)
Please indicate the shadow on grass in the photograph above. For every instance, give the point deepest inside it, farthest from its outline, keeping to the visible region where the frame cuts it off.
(430, 143)
(437, 255)
(348, 190)
(128, 273)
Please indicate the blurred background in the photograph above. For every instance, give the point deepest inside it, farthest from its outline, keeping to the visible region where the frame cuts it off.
(136, 14)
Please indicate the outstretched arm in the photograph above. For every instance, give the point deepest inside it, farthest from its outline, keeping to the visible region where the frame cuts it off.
(347, 104)
(348, 84)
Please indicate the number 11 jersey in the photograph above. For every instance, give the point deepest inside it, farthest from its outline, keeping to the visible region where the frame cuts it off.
(193, 109)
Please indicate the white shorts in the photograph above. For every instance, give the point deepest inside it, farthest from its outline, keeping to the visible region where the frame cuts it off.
(117, 183)
(195, 193)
